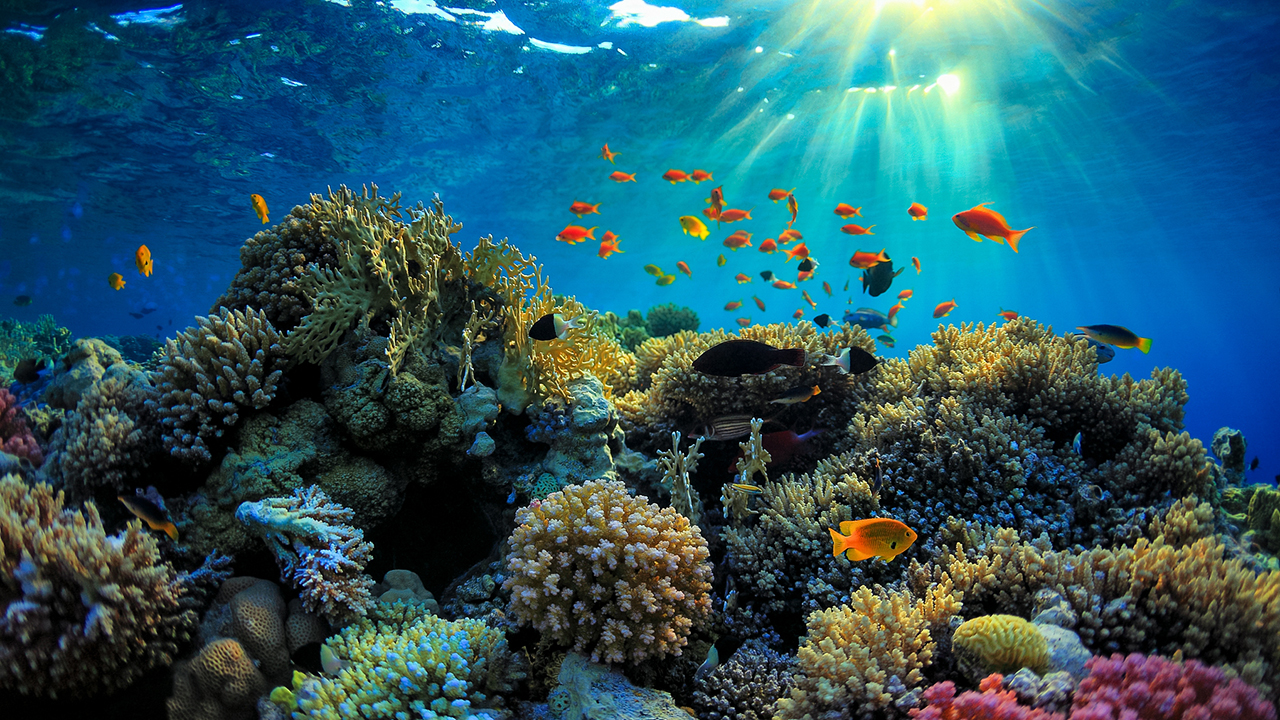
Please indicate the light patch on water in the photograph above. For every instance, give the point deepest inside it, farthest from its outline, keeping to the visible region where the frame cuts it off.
(31, 31)
(558, 47)
(164, 17)
(718, 21)
(498, 22)
(94, 27)
(421, 7)
(291, 83)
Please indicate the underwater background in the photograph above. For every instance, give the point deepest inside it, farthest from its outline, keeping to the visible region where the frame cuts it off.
(1140, 140)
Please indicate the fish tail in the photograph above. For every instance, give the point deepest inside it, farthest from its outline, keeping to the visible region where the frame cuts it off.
(169, 529)
(837, 542)
(1144, 344)
(1016, 236)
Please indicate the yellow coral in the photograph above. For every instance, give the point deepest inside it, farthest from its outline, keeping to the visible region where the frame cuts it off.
(1001, 643)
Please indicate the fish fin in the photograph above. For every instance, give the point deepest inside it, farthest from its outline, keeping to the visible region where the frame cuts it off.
(848, 526)
(1016, 236)
(854, 554)
(976, 237)
(837, 542)
(1144, 344)
(996, 239)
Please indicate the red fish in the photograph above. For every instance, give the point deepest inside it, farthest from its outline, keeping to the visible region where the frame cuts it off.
(744, 322)
(904, 295)
(777, 194)
(805, 294)
(733, 215)
(804, 275)
(981, 221)
(734, 305)
(916, 261)
(580, 208)
(826, 287)
(683, 267)
(606, 154)
(784, 285)
(852, 229)
(609, 244)
(918, 212)
(674, 176)
(944, 309)
(1008, 314)
(894, 311)
(759, 302)
(846, 211)
(768, 246)
(864, 260)
(742, 278)
(699, 175)
(793, 206)
(619, 176)
(710, 213)
(799, 313)
(737, 240)
(789, 235)
(799, 251)
(574, 234)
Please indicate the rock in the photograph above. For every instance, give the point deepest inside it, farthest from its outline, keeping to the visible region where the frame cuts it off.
(1066, 652)
(1229, 447)
(83, 365)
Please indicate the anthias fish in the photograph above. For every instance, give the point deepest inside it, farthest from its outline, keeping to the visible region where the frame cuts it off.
(619, 176)
(580, 208)
(918, 212)
(674, 176)
(852, 229)
(981, 221)
(863, 260)
(874, 537)
(607, 154)
(734, 358)
(846, 211)
(944, 309)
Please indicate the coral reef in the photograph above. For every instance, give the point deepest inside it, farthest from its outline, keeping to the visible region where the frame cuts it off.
(992, 703)
(1140, 687)
(85, 612)
(106, 441)
(747, 685)
(15, 438)
(39, 340)
(1000, 644)
(578, 430)
(405, 586)
(317, 550)
(608, 574)
(588, 691)
(220, 683)
(228, 363)
(83, 364)
(669, 319)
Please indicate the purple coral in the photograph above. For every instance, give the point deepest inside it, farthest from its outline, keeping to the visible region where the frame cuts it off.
(993, 703)
(1138, 687)
(15, 437)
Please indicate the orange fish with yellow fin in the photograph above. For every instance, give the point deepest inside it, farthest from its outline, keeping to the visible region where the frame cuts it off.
(981, 221)
(874, 537)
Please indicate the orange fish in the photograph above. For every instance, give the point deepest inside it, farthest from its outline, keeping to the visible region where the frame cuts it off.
(875, 537)
(674, 176)
(619, 176)
(777, 194)
(732, 215)
(574, 234)
(799, 251)
(804, 275)
(944, 309)
(864, 260)
(710, 213)
(742, 278)
(115, 280)
(826, 287)
(259, 206)
(581, 208)
(789, 235)
(737, 240)
(683, 267)
(699, 175)
(918, 212)
(852, 229)
(744, 321)
(805, 294)
(759, 302)
(142, 258)
(768, 246)
(1008, 314)
(846, 211)
(894, 311)
(793, 206)
(799, 313)
(904, 295)
(716, 201)
(733, 305)
(783, 285)
(606, 154)
(916, 261)
(985, 222)
(609, 244)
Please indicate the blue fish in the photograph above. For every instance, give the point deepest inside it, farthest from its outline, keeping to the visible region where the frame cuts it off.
(869, 319)
(1075, 444)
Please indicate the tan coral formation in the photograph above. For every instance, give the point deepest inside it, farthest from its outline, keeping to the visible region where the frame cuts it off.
(106, 441)
(220, 683)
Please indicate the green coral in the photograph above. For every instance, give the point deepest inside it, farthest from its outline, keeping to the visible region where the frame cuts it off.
(669, 319)
(39, 340)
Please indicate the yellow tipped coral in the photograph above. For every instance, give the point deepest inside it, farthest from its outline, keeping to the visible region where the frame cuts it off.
(1001, 644)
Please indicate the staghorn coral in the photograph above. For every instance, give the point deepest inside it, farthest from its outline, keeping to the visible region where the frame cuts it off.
(1000, 643)
(105, 443)
(228, 363)
(15, 437)
(747, 685)
(867, 655)
(317, 550)
(676, 468)
(1154, 687)
(85, 612)
(608, 574)
(669, 319)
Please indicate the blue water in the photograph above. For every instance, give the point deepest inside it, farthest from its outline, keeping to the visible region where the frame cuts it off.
(1139, 138)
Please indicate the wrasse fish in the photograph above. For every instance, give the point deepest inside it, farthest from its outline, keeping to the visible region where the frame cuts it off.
(619, 176)
(654, 270)
(796, 395)
(742, 278)
(826, 288)
(734, 215)
(759, 302)
(720, 261)
(609, 245)
(768, 246)
(918, 211)
(552, 326)
(739, 239)
(851, 361)
(259, 207)
(870, 318)
(852, 229)
(916, 262)
(777, 194)
(674, 176)
(1008, 314)
(150, 513)
(793, 206)
(846, 211)
(115, 280)
(734, 358)
(607, 154)
(574, 234)
(693, 226)
(864, 260)
(699, 175)
(733, 305)
(580, 208)
(981, 221)
(744, 487)
(142, 258)
(666, 280)
(1116, 336)
(784, 285)
(799, 251)
(875, 537)
(683, 267)
(944, 309)
(789, 235)
(887, 341)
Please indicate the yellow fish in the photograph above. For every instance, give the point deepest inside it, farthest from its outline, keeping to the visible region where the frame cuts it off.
(259, 206)
(874, 537)
(142, 258)
(693, 226)
(720, 261)
(654, 270)
(115, 280)
(666, 279)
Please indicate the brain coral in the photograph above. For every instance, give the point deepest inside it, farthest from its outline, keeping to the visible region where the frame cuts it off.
(608, 574)
(1001, 643)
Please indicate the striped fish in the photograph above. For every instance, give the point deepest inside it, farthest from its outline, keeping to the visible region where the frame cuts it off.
(728, 427)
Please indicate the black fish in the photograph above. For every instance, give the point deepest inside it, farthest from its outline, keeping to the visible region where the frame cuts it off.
(148, 512)
(822, 320)
(551, 327)
(734, 358)
(807, 265)
(878, 278)
(307, 657)
(28, 371)
(22, 300)
(135, 316)
(852, 360)
(768, 276)
(1252, 466)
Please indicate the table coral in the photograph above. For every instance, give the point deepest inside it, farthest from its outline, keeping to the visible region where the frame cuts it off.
(316, 548)
(86, 612)
(608, 574)
(15, 437)
(1138, 686)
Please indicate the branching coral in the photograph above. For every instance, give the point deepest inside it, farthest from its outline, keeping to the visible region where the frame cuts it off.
(39, 340)
(676, 468)
(106, 441)
(228, 363)
(608, 574)
(747, 686)
(1153, 687)
(86, 613)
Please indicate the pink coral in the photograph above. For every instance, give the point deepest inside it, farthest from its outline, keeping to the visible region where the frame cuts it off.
(993, 703)
(1138, 687)
(15, 437)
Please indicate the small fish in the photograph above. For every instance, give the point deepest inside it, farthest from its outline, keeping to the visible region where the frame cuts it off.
(796, 395)
(699, 175)
(789, 235)
(851, 361)
(744, 322)
(799, 313)
(317, 657)
(742, 278)
(552, 326)
(874, 537)
(886, 340)
(721, 651)
(846, 286)
(767, 276)
(1116, 336)
(728, 427)
(822, 320)
(28, 370)
(720, 261)
(609, 245)
(852, 229)
(759, 302)
(666, 280)
(580, 208)
(792, 206)
(784, 285)
(710, 213)
(1075, 443)
(115, 280)
(607, 154)
(150, 513)
(944, 308)
(734, 215)
(135, 315)
(916, 262)
(1253, 465)
(259, 206)
(730, 602)
(877, 278)
(683, 267)
(734, 358)
(733, 305)
(777, 194)
(619, 176)
(142, 258)
(846, 211)
(1008, 314)
(803, 276)
(574, 234)
(654, 270)
(511, 498)
(864, 260)
(744, 487)
(693, 226)
(980, 221)
(737, 240)
(893, 311)
(768, 246)
(23, 300)
(918, 211)
(807, 265)
(805, 294)
(870, 319)
(905, 295)
(674, 176)
(799, 251)
(826, 288)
